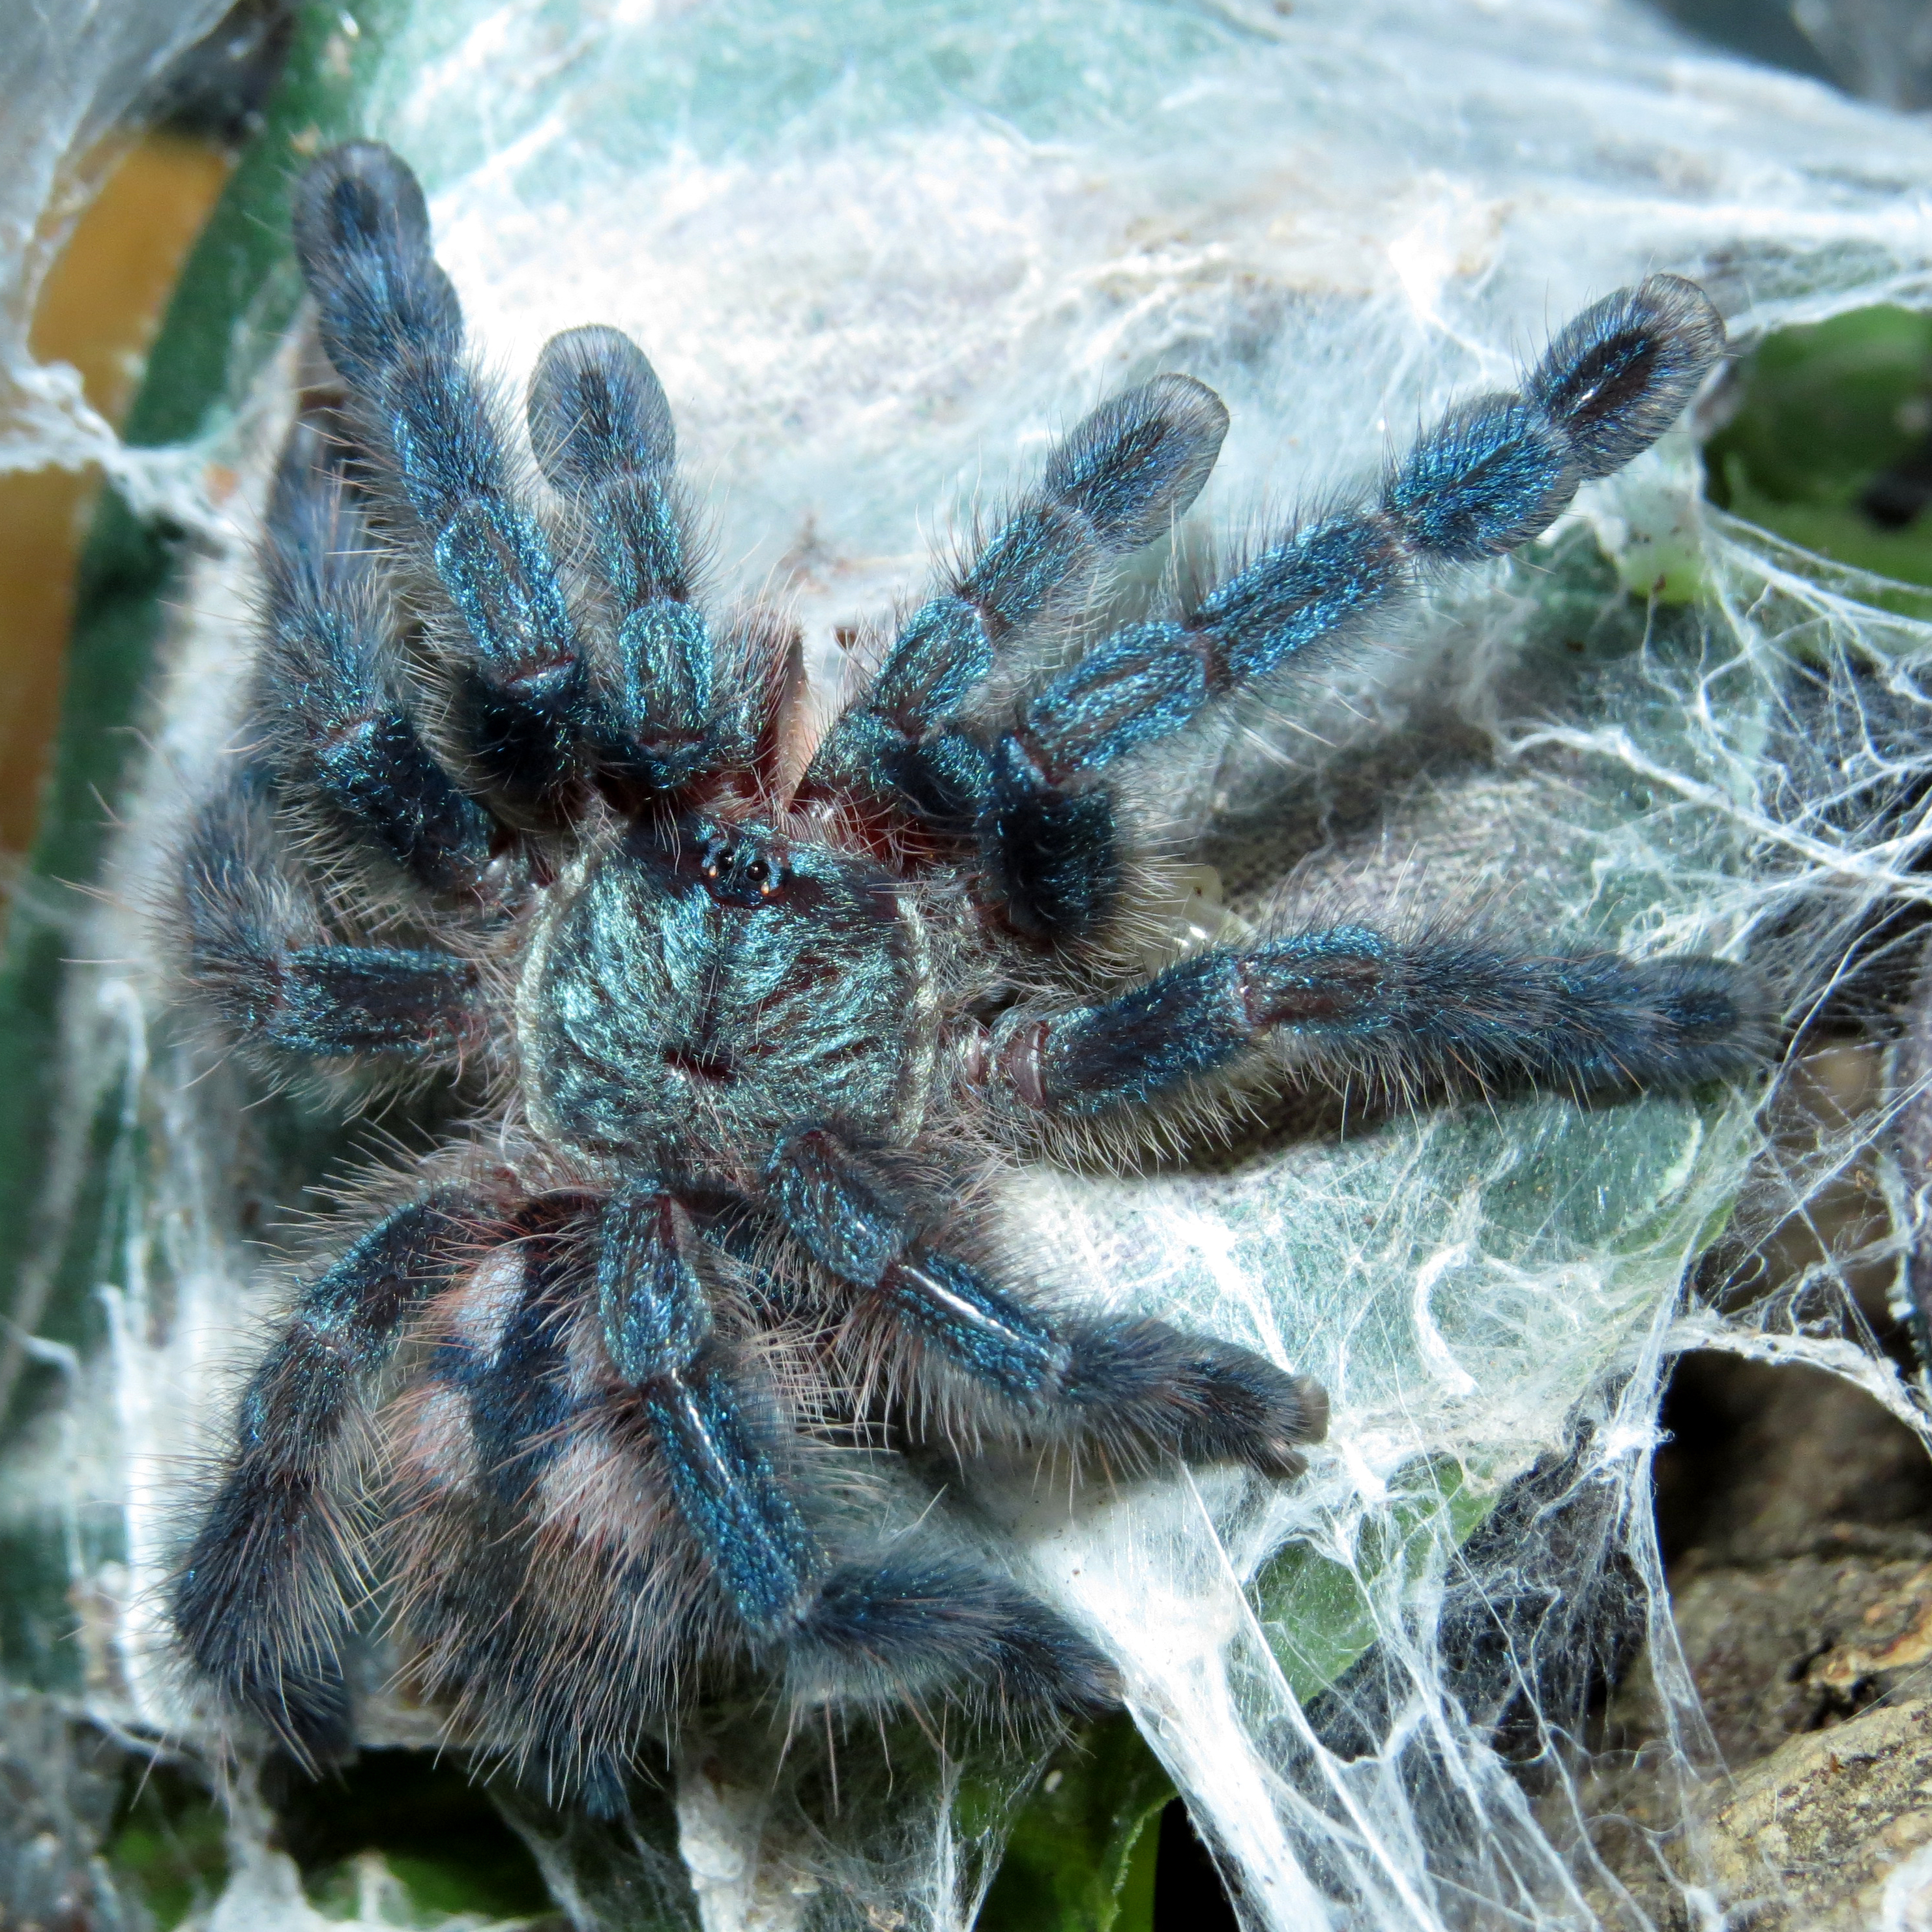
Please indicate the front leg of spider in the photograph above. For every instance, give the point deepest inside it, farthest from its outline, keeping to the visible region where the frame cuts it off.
(1119, 481)
(392, 326)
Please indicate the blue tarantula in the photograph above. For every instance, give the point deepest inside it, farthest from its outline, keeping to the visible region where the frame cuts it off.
(593, 1395)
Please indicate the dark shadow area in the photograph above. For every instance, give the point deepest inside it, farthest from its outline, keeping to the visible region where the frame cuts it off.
(1763, 31)
(1188, 1893)
(1875, 53)
(437, 1831)
(1767, 1463)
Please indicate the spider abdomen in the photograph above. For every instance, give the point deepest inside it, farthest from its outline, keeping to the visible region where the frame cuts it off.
(704, 992)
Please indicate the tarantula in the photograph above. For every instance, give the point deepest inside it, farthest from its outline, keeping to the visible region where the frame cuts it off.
(593, 1394)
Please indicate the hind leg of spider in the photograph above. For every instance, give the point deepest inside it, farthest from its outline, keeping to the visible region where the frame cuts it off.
(1351, 1002)
(261, 956)
(264, 1603)
(336, 723)
(540, 1575)
(916, 1620)
(1136, 1388)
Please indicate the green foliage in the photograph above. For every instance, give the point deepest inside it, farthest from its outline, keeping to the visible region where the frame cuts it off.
(1081, 1858)
(169, 1846)
(1825, 411)
(441, 1841)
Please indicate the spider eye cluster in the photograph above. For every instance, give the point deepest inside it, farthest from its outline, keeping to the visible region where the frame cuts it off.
(742, 869)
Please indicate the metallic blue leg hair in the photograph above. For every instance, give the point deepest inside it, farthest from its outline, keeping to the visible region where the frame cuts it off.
(337, 725)
(1354, 1003)
(261, 955)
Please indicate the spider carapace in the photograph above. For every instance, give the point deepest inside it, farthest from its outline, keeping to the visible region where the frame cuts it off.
(603, 1400)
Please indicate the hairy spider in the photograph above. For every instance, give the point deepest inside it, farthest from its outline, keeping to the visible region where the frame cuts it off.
(600, 1395)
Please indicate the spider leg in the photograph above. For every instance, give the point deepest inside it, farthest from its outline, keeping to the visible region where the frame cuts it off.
(340, 731)
(1351, 1002)
(390, 322)
(264, 1602)
(1496, 470)
(534, 1575)
(593, 1495)
(914, 1620)
(657, 1326)
(603, 434)
(1139, 1386)
(260, 955)
(1117, 482)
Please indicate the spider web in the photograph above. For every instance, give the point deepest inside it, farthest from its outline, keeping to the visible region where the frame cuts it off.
(870, 258)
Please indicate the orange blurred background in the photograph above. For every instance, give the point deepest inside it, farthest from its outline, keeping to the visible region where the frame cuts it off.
(99, 309)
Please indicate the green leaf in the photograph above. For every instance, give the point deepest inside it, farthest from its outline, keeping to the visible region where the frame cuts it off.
(1081, 1856)
(1826, 411)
